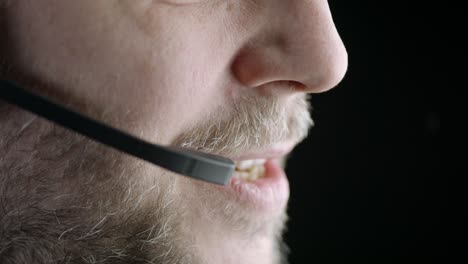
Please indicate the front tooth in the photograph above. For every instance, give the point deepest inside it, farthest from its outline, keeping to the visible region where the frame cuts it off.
(245, 164)
(259, 171)
(259, 161)
(254, 175)
(243, 175)
(256, 172)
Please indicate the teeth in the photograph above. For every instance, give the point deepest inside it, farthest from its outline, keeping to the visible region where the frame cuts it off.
(242, 175)
(256, 173)
(247, 164)
(250, 170)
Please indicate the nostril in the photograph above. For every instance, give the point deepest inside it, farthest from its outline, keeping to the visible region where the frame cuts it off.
(283, 87)
(297, 86)
(292, 86)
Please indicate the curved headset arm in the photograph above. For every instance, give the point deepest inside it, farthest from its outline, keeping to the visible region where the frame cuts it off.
(198, 165)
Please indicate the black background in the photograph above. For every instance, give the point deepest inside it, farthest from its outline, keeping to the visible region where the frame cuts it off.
(369, 179)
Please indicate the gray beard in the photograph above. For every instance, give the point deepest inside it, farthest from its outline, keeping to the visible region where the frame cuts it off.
(65, 199)
(43, 220)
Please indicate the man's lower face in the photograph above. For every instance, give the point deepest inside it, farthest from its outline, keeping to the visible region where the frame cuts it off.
(87, 203)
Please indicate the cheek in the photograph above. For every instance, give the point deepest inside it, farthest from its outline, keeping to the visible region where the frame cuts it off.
(169, 99)
(181, 106)
(185, 74)
(184, 88)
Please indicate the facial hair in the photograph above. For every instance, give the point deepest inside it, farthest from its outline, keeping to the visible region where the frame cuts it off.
(66, 199)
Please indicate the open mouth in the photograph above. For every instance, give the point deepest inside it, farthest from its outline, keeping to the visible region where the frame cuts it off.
(252, 166)
(250, 170)
(259, 179)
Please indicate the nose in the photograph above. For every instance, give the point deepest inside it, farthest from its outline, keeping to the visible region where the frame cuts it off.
(298, 44)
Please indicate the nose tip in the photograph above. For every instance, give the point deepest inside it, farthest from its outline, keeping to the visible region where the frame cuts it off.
(328, 72)
(308, 51)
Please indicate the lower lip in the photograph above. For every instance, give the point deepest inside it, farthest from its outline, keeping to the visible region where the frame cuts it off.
(270, 193)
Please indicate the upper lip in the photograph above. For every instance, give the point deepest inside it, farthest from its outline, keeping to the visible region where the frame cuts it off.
(270, 152)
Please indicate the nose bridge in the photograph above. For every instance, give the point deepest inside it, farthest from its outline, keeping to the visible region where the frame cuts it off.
(302, 46)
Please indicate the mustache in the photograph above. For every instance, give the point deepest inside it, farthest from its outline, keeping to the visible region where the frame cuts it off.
(253, 122)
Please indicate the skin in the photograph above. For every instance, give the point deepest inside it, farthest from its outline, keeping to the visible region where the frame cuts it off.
(174, 72)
